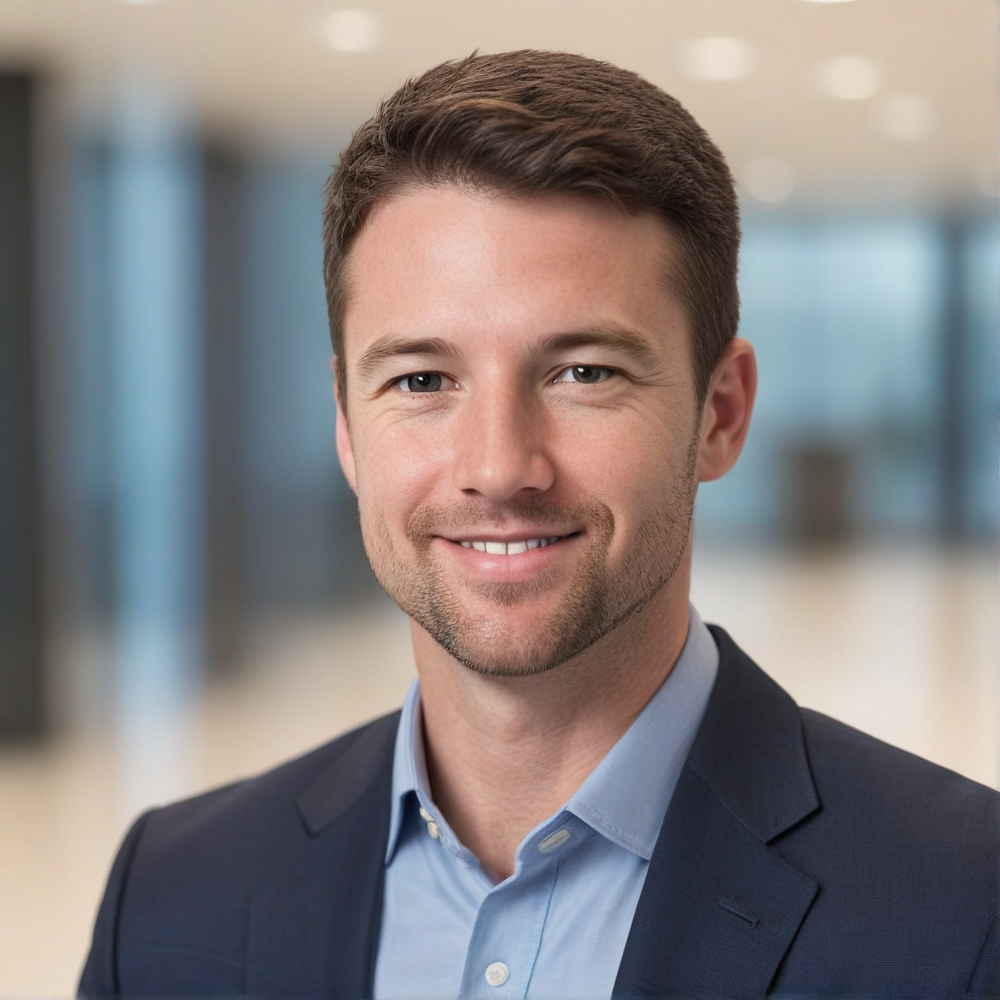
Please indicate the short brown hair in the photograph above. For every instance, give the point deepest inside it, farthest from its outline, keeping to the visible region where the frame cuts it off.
(533, 122)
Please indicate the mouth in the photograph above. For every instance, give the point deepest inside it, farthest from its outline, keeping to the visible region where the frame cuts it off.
(513, 547)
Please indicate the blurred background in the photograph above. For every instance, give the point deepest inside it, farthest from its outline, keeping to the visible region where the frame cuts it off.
(183, 593)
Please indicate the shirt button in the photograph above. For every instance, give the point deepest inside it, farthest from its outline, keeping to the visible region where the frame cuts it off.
(425, 815)
(497, 974)
(433, 829)
(554, 840)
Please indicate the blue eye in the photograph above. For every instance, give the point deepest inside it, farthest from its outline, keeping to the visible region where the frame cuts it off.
(423, 382)
(584, 374)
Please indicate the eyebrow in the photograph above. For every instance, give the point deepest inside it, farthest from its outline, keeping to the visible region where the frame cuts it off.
(392, 346)
(613, 336)
(620, 338)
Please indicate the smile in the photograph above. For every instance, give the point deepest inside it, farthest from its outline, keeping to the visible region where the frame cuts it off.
(499, 548)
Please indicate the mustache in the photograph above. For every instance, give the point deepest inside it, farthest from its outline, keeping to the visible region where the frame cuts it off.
(435, 519)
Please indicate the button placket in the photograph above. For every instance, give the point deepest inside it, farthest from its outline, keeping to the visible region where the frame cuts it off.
(505, 939)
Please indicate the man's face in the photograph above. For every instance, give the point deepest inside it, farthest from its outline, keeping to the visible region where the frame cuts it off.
(523, 426)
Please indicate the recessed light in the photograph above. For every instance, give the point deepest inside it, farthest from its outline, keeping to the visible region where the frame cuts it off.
(351, 30)
(850, 78)
(768, 179)
(903, 117)
(717, 58)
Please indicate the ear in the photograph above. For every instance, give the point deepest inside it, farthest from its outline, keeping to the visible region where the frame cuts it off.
(725, 418)
(345, 450)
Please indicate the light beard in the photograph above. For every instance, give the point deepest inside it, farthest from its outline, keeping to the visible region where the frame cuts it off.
(598, 599)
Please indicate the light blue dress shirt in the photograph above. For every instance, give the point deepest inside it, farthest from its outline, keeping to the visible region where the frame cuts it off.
(557, 927)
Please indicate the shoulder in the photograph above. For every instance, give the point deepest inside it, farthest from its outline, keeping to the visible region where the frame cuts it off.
(857, 773)
(902, 847)
(905, 854)
(758, 737)
(180, 891)
(249, 820)
(907, 858)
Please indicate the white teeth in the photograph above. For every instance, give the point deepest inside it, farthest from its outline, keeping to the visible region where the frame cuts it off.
(509, 548)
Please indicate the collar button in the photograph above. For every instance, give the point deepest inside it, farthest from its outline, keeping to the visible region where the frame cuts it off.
(554, 840)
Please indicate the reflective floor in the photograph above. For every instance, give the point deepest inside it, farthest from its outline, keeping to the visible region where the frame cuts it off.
(902, 643)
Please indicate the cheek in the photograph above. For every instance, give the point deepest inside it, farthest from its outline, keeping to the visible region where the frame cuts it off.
(641, 471)
(628, 454)
(397, 469)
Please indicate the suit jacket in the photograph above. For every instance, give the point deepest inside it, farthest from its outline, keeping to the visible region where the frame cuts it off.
(798, 858)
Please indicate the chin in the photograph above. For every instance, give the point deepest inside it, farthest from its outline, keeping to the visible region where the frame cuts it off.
(485, 658)
(520, 639)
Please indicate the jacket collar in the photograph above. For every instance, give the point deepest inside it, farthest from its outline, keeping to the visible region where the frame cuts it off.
(315, 918)
(750, 749)
(351, 775)
(719, 907)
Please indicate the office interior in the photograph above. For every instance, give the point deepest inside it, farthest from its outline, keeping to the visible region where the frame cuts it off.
(184, 596)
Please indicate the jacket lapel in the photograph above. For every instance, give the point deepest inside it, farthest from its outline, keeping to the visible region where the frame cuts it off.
(719, 907)
(315, 918)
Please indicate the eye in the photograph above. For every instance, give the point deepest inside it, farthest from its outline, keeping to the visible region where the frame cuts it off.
(422, 382)
(584, 374)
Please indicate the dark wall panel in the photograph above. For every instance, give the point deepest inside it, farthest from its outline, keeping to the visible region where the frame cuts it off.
(22, 679)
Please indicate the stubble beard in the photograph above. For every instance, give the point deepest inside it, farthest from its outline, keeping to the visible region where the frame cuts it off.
(598, 599)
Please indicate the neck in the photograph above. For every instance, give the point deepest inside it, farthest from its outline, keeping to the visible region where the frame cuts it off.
(505, 753)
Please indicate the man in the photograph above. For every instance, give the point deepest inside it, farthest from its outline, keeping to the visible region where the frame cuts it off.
(531, 267)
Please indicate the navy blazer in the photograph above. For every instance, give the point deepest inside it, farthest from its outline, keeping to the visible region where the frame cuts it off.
(798, 858)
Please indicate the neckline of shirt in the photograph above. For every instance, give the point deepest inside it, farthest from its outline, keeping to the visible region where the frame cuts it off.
(625, 797)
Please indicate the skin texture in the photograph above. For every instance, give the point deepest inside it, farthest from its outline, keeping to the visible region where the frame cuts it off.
(561, 403)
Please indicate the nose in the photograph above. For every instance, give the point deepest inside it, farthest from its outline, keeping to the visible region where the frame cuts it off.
(500, 446)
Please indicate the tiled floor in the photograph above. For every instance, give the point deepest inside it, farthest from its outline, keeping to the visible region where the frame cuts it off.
(902, 643)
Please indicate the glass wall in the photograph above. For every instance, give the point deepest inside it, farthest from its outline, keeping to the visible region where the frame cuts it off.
(855, 326)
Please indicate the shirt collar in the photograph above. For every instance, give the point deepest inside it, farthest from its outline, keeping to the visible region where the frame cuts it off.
(409, 765)
(626, 796)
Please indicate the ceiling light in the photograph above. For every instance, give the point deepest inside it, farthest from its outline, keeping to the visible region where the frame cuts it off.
(351, 30)
(850, 78)
(768, 179)
(902, 117)
(716, 58)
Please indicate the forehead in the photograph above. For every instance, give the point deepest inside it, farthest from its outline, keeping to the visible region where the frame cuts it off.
(447, 260)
